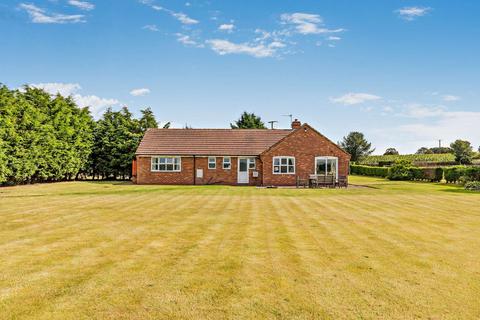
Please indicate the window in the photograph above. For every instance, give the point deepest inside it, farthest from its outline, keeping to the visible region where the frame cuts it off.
(212, 163)
(283, 165)
(326, 166)
(227, 163)
(251, 163)
(166, 164)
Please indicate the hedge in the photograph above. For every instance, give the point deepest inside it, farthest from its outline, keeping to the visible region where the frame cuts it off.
(421, 174)
(369, 171)
(456, 174)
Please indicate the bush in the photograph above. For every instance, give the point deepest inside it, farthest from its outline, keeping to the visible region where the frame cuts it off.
(462, 174)
(453, 174)
(472, 186)
(402, 170)
(369, 171)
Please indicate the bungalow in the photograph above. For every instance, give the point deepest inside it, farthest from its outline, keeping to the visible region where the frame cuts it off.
(257, 157)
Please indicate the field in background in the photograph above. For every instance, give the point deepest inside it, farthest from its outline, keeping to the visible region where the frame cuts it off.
(446, 158)
(388, 250)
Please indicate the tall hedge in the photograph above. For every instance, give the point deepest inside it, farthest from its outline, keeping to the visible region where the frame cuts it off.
(456, 174)
(414, 173)
(42, 137)
(45, 138)
(369, 171)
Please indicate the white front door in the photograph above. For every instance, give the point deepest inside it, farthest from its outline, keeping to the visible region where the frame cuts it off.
(242, 170)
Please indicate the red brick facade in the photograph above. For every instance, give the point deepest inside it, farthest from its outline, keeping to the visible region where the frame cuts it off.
(186, 176)
(304, 144)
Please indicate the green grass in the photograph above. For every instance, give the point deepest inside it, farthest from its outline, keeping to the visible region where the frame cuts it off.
(389, 250)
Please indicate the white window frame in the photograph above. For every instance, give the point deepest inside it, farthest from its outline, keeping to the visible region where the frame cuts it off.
(214, 163)
(280, 166)
(252, 160)
(326, 158)
(157, 163)
(229, 162)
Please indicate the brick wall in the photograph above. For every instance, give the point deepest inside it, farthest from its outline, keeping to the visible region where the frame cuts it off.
(186, 176)
(305, 144)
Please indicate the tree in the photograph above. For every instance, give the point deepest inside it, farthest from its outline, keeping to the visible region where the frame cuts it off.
(42, 138)
(463, 151)
(248, 121)
(356, 145)
(424, 150)
(441, 150)
(147, 120)
(391, 151)
(400, 170)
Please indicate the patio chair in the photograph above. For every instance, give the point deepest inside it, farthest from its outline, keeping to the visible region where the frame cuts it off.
(330, 181)
(302, 182)
(313, 181)
(343, 182)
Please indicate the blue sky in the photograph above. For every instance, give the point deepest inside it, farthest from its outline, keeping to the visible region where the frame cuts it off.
(406, 73)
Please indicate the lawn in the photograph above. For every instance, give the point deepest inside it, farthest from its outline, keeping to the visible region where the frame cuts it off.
(390, 250)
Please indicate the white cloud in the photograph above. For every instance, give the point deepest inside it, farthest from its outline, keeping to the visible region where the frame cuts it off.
(65, 89)
(450, 98)
(224, 47)
(187, 40)
(183, 18)
(226, 27)
(83, 5)
(151, 27)
(333, 38)
(306, 23)
(140, 92)
(39, 15)
(416, 110)
(96, 104)
(411, 13)
(449, 127)
(355, 98)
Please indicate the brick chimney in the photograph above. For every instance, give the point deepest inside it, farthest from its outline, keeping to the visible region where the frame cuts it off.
(296, 124)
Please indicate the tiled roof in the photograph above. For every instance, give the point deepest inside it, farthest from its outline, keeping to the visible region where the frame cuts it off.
(227, 142)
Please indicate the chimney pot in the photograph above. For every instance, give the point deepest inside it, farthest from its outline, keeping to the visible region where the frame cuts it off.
(296, 124)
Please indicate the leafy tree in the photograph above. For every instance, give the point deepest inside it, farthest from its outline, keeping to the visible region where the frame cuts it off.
(248, 121)
(116, 138)
(401, 170)
(42, 138)
(441, 150)
(424, 150)
(356, 145)
(463, 151)
(391, 151)
(147, 120)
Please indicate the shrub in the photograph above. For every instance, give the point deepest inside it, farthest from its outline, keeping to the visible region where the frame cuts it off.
(462, 174)
(472, 186)
(369, 171)
(402, 170)
(453, 174)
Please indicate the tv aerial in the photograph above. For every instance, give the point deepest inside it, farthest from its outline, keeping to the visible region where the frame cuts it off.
(272, 123)
(288, 115)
